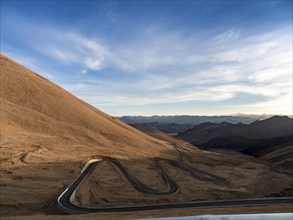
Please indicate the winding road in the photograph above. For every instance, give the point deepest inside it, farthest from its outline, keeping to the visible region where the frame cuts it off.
(66, 198)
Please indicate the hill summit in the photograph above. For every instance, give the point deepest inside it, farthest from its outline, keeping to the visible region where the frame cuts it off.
(49, 124)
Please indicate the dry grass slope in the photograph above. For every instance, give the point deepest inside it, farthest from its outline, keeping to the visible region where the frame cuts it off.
(33, 107)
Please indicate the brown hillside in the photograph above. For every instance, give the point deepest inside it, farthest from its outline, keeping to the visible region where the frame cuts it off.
(279, 156)
(61, 126)
(47, 135)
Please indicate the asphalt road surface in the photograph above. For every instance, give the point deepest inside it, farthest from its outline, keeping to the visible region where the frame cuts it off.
(64, 200)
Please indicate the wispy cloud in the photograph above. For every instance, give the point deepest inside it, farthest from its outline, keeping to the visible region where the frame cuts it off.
(168, 67)
(227, 36)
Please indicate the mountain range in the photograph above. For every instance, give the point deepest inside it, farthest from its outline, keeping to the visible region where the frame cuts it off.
(180, 123)
(192, 119)
(240, 136)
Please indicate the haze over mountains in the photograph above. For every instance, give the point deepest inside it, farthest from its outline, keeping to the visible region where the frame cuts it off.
(179, 123)
(192, 119)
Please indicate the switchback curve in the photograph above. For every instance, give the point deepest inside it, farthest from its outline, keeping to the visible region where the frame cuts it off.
(65, 199)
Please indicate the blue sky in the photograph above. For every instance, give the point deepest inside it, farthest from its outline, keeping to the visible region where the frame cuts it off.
(158, 57)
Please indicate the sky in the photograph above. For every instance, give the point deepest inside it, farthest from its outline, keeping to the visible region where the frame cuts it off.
(158, 57)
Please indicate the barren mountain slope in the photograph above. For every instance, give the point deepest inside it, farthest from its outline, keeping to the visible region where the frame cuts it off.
(32, 106)
(278, 155)
(47, 135)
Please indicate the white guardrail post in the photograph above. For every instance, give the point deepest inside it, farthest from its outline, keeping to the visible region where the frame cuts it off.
(72, 197)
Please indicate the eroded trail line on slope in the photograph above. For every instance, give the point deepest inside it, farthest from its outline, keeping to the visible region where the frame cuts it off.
(22, 155)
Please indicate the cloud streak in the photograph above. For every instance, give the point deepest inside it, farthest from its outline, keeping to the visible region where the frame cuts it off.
(158, 66)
